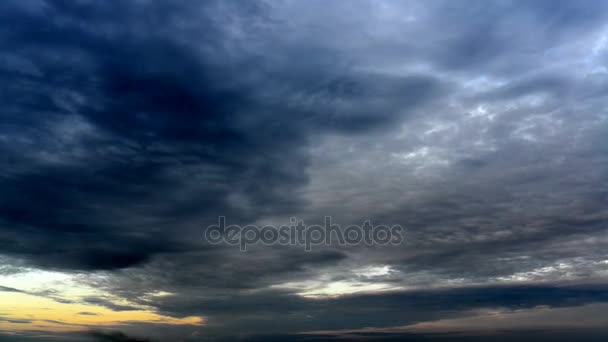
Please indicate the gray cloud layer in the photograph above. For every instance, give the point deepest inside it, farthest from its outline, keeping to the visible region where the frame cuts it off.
(128, 126)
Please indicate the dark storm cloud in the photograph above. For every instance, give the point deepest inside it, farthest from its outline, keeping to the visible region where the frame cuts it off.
(122, 131)
(149, 100)
(281, 312)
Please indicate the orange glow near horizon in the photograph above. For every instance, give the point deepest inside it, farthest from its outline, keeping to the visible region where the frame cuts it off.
(27, 312)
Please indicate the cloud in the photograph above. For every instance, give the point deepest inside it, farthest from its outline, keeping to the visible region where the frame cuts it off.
(498, 336)
(276, 312)
(156, 135)
(127, 127)
(15, 321)
(114, 337)
(9, 289)
(108, 304)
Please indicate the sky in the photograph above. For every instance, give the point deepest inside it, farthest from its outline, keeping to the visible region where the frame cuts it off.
(127, 127)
